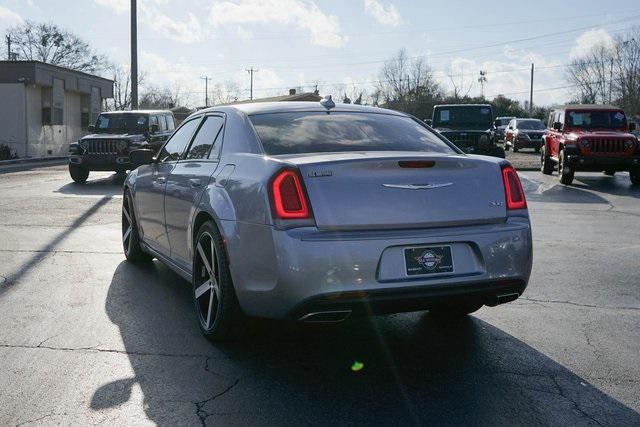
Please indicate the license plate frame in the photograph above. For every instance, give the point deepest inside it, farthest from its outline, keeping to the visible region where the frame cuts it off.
(428, 260)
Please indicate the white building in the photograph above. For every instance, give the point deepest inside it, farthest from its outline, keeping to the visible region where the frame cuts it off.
(44, 107)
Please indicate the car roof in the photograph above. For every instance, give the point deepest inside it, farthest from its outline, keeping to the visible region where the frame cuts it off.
(462, 105)
(587, 107)
(138, 112)
(297, 106)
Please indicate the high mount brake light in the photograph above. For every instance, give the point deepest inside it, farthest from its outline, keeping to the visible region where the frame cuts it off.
(416, 164)
(513, 189)
(289, 200)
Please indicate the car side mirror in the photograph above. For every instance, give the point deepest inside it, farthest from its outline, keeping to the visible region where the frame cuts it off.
(91, 128)
(154, 128)
(143, 156)
(632, 127)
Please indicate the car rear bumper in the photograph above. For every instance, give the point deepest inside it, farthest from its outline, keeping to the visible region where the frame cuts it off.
(102, 162)
(290, 273)
(598, 163)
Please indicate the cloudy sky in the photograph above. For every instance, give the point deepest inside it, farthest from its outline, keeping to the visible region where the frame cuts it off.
(340, 42)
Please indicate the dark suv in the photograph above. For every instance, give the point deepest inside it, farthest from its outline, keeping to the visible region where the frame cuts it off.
(590, 138)
(113, 136)
(468, 126)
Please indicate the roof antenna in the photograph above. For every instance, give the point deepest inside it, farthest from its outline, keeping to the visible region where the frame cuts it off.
(327, 102)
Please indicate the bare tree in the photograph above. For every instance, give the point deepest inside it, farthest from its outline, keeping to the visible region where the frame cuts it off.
(591, 75)
(225, 93)
(121, 77)
(408, 84)
(160, 97)
(461, 88)
(54, 45)
(626, 81)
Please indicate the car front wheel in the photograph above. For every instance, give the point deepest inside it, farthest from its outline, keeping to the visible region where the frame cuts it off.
(546, 164)
(78, 173)
(130, 238)
(219, 314)
(565, 173)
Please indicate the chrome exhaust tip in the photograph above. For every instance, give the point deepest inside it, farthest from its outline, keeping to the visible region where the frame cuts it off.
(504, 298)
(334, 316)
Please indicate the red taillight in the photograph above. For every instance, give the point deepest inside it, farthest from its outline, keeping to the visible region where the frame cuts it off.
(289, 200)
(513, 189)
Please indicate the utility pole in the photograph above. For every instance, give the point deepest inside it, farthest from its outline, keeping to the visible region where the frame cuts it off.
(610, 79)
(134, 56)
(8, 48)
(251, 71)
(206, 90)
(531, 93)
(482, 80)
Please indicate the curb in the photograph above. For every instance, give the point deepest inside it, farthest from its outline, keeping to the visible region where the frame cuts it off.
(32, 160)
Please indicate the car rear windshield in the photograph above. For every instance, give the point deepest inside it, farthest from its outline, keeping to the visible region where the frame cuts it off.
(596, 119)
(122, 123)
(531, 125)
(315, 132)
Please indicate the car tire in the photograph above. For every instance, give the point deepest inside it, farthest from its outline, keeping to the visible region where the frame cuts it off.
(506, 147)
(609, 172)
(634, 175)
(565, 174)
(455, 311)
(546, 164)
(78, 173)
(133, 252)
(214, 298)
(515, 148)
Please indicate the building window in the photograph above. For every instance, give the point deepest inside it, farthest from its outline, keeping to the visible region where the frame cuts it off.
(58, 102)
(46, 105)
(85, 104)
(95, 104)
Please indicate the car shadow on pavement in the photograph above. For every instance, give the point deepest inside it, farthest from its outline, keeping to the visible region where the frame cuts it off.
(110, 186)
(410, 369)
(619, 185)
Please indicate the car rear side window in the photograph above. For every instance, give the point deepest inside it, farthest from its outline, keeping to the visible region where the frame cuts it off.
(319, 132)
(206, 137)
(171, 124)
(173, 149)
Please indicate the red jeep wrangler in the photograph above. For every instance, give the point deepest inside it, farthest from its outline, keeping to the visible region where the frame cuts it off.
(590, 138)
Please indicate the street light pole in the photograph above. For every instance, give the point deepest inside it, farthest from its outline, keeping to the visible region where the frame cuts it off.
(134, 56)
(531, 93)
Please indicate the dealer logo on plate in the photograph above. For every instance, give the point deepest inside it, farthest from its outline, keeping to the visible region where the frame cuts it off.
(429, 260)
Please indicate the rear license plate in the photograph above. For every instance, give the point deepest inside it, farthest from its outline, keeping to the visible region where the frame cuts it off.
(428, 260)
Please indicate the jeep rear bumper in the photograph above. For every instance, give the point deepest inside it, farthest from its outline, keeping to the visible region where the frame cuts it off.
(600, 163)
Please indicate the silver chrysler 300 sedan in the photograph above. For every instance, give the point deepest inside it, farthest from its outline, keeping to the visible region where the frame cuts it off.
(314, 211)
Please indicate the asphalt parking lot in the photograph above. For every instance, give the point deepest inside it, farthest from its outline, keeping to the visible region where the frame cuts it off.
(87, 338)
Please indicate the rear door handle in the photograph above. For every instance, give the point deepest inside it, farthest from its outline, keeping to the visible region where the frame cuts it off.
(195, 182)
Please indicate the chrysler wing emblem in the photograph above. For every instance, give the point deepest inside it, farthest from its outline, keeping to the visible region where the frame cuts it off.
(427, 186)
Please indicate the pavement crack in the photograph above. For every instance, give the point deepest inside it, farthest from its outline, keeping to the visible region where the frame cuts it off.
(200, 411)
(575, 404)
(606, 307)
(105, 350)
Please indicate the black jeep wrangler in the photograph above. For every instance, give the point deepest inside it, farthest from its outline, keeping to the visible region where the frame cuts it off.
(116, 133)
(469, 126)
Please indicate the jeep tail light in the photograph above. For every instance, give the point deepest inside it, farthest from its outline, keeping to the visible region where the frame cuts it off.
(513, 188)
(289, 199)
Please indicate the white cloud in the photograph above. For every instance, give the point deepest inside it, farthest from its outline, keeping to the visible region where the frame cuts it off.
(187, 31)
(9, 17)
(385, 15)
(119, 6)
(589, 40)
(303, 14)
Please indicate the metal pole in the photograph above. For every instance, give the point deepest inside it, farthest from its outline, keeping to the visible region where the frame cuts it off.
(206, 90)
(610, 79)
(251, 71)
(8, 48)
(531, 93)
(134, 56)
